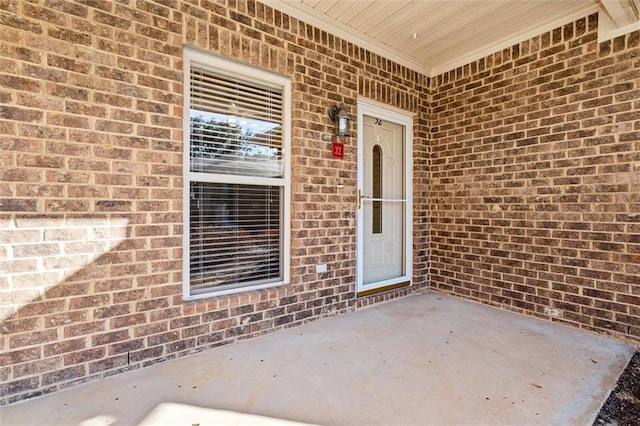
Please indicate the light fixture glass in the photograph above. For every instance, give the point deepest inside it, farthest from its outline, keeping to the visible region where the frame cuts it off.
(340, 119)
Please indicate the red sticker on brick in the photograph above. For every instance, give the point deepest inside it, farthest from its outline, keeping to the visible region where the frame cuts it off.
(337, 150)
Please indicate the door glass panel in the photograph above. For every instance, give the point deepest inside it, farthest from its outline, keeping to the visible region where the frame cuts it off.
(377, 190)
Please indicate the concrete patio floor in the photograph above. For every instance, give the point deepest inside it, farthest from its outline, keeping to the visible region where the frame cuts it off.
(424, 359)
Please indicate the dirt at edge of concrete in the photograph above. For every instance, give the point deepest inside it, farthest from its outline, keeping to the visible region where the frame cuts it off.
(622, 408)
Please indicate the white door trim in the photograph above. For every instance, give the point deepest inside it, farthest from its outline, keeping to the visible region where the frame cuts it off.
(405, 118)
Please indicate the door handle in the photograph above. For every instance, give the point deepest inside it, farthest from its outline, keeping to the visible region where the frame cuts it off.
(360, 197)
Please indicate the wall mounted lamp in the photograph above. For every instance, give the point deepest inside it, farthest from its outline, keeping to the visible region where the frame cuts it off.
(340, 120)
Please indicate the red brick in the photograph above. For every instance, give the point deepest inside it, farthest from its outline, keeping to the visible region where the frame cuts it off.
(22, 355)
(110, 363)
(33, 338)
(37, 367)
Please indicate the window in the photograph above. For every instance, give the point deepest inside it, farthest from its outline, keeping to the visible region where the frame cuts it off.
(376, 180)
(236, 176)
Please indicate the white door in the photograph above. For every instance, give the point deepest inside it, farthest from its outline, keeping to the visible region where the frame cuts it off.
(384, 207)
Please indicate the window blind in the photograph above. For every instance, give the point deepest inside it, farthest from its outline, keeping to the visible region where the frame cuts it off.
(235, 125)
(235, 234)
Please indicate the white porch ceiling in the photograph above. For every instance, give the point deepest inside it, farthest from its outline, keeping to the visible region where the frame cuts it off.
(434, 36)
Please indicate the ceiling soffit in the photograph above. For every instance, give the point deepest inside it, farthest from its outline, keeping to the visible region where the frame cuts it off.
(436, 36)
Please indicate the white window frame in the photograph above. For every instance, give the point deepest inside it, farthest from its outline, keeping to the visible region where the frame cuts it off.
(233, 69)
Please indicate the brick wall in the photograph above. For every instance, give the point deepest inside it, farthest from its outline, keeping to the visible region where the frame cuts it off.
(91, 182)
(535, 191)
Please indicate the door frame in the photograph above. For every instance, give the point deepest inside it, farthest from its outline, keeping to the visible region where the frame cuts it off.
(405, 118)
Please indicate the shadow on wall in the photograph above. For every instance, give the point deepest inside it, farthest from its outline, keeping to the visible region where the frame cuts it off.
(68, 284)
(42, 253)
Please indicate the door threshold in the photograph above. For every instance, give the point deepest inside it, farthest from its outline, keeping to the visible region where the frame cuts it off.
(383, 289)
